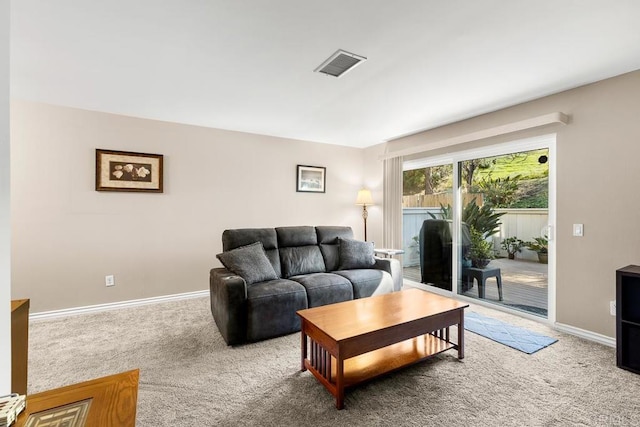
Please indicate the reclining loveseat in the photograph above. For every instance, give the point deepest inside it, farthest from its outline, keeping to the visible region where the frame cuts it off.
(270, 273)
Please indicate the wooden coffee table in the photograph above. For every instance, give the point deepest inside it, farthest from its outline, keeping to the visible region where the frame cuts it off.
(350, 342)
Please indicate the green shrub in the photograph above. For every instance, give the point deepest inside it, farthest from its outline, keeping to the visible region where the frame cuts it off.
(512, 245)
(499, 192)
(480, 248)
(539, 244)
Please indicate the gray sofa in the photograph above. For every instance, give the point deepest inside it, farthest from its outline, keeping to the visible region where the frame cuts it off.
(270, 273)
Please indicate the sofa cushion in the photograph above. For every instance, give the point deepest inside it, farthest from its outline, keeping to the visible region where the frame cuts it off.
(325, 288)
(271, 308)
(301, 260)
(249, 262)
(331, 256)
(329, 244)
(296, 236)
(355, 254)
(330, 234)
(235, 238)
(368, 282)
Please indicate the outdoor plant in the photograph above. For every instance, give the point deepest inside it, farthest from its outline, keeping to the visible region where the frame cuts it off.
(483, 219)
(481, 251)
(414, 246)
(512, 245)
(541, 246)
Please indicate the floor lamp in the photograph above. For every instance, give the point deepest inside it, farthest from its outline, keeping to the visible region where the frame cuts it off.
(364, 199)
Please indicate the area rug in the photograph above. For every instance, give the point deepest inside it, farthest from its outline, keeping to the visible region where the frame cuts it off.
(512, 336)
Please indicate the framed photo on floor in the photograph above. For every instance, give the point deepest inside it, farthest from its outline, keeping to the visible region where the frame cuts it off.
(311, 179)
(128, 171)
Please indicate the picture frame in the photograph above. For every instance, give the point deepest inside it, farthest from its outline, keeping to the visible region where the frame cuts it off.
(311, 179)
(128, 171)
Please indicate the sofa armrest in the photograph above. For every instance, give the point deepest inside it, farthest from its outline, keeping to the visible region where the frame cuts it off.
(229, 304)
(393, 267)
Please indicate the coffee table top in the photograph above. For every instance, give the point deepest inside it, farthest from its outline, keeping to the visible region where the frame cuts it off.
(364, 315)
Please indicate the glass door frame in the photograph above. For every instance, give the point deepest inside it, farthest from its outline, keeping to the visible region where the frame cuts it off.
(547, 141)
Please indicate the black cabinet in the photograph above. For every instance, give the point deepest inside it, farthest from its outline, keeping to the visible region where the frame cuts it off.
(628, 318)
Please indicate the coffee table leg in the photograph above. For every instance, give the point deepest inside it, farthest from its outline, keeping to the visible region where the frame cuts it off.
(303, 349)
(461, 336)
(339, 383)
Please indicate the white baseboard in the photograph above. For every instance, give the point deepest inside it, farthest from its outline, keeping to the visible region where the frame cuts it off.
(583, 333)
(115, 305)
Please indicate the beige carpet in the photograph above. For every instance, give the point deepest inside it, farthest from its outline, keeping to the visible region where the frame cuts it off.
(189, 377)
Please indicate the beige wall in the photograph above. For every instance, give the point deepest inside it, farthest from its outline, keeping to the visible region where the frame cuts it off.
(5, 241)
(597, 185)
(373, 179)
(67, 236)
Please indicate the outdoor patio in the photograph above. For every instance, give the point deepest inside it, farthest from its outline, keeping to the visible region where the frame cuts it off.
(524, 285)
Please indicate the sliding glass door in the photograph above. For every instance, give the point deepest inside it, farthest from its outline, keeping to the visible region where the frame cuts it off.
(505, 259)
(427, 237)
(478, 224)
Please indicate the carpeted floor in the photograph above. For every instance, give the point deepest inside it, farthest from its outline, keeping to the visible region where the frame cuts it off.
(189, 377)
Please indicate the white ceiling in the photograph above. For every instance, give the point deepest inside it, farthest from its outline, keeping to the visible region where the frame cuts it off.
(248, 65)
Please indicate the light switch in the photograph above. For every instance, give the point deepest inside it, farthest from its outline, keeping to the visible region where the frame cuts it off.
(578, 230)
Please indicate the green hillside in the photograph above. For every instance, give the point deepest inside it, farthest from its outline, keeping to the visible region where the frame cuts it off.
(525, 164)
(518, 180)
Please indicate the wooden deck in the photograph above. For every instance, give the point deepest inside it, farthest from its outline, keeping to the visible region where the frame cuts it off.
(524, 285)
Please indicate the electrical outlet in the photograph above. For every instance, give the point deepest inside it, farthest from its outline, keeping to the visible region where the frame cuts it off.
(110, 280)
(612, 308)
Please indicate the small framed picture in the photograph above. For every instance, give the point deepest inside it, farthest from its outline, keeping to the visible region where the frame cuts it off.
(127, 171)
(311, 179)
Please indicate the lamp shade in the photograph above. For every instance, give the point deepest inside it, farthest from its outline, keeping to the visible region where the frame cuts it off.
(364, 198)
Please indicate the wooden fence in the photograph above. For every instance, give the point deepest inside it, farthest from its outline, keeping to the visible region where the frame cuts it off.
(435, 200)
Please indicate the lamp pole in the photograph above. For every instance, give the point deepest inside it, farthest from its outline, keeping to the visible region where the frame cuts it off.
(364, 199)
(365, 215)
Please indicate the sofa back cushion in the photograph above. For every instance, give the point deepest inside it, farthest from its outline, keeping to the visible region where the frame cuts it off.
(296, 236)
(236, 238)
(299, 251)
(301, 260)
(329, 245)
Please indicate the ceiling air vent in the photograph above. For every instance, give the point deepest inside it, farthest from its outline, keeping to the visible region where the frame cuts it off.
(339, 63)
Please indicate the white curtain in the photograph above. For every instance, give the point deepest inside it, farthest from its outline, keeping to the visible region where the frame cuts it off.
(392, 203)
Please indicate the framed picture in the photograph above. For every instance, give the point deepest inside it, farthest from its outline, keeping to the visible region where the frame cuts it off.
(127, 171)
(311, 179)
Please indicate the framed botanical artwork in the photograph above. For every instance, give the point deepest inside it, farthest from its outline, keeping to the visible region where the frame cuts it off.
(311, 179)
(127, 171)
